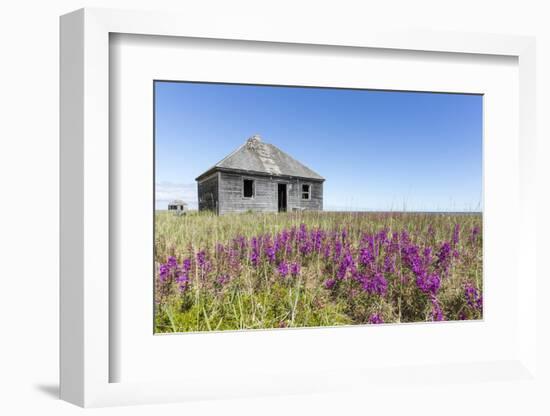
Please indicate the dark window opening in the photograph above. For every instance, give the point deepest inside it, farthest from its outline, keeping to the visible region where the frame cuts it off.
(248, 188)
(306, 191)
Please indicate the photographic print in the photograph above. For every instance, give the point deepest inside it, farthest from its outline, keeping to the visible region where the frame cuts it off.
(289, 207)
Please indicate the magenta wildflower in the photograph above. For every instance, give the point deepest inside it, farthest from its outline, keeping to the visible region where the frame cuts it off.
(326, 251)
(270, 253)
(437, 313)
(283, 269)
(201, 259)
(186, 265)
(473, 297)
(375, 285)
(172, 262)
(255, 253)
(164, 272)
(375, 318)
(389, 264)
(444, 257)
(428, 283)
(337, 252)
(330, 283)
(366, 257)
(183, 282)
(295, 269)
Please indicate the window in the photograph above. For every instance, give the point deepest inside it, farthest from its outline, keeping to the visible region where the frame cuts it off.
(306, 191)
(248, 188)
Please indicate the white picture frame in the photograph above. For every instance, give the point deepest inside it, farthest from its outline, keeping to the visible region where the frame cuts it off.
(86, 333)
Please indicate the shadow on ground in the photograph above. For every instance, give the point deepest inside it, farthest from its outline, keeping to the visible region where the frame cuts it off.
(51, 390)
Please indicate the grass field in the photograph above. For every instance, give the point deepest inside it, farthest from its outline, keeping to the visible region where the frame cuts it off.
(253, 271)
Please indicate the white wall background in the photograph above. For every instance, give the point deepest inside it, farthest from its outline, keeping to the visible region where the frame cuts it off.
(29, 184)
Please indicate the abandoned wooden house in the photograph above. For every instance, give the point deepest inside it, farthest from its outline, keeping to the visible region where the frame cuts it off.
(258, 176)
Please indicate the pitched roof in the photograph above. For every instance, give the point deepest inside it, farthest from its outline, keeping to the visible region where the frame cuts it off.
(177, 202)
(257, 156)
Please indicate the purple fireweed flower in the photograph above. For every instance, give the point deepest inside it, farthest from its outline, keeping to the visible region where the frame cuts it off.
(394, 243)
(330, 283)
(255, 252)
(201, 259)
(283, 269)
(427, 256)
(347, 264)
(411, 257)
(317, 237)
(428, 283)
(285, 236)
(326, 250)
(382, 236)
(473, 297)
(444, 257)
(172, 262)
(437, 313)
(295, 269)
(277, 243)
(270, 254)
(375, 285)
(306, 247)
(164, 272)
(186, 265)
(269, 250)
(203, 263)
(283, 241)
(366, 257)
(389, 264)
(183, 282)
(337, 251)
(375, 318)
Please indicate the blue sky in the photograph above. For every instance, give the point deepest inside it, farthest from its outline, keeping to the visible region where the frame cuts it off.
(378, 150)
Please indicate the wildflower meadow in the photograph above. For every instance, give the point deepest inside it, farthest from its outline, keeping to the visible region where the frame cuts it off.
(309, 269)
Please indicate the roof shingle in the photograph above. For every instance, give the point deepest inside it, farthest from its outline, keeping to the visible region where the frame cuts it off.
(260, 157)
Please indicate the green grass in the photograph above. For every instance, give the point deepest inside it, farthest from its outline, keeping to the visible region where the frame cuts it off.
(258, 298)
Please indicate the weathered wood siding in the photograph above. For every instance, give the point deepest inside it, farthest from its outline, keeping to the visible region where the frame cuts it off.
(315, 203)
(265, 198)
(231, 194)
(208, 194)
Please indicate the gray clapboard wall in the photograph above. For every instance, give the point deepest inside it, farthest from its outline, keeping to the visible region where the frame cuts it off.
(208, 193)
(266, 196)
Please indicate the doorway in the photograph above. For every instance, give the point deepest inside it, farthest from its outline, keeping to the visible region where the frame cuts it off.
(281, 192)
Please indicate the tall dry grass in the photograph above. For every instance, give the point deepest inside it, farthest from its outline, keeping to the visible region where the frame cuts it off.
(233, 292)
